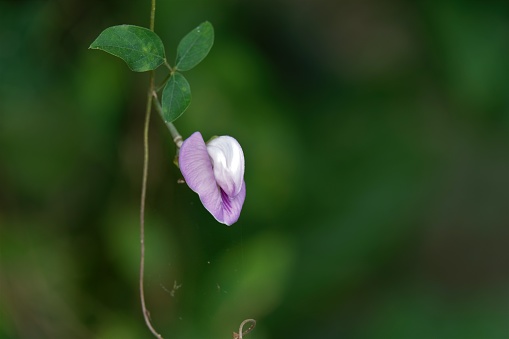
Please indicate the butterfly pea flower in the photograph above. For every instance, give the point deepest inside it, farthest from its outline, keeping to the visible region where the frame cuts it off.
(216, 172)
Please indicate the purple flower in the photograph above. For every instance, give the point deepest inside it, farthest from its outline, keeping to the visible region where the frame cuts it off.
(216, 172)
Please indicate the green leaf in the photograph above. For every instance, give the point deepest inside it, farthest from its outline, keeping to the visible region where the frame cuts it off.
(176, 97)
(195, 46)
(139, 47)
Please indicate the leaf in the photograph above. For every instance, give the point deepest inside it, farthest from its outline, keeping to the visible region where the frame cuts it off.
(195, 46)
(139, 47)
(176, 97)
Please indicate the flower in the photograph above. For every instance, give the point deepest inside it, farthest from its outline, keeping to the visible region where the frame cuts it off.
(216, 172)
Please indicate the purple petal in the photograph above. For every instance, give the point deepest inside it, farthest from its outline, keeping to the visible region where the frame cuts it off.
(196, 167)
(232, 206)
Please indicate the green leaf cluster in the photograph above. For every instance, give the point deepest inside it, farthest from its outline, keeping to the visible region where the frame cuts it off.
(143, 50)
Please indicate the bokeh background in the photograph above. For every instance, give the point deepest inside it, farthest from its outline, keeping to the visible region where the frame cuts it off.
(376, 137)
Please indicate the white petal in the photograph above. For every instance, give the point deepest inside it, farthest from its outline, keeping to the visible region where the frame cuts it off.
(228, 163)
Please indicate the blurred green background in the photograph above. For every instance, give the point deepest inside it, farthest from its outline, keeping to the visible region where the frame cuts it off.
(376, 137)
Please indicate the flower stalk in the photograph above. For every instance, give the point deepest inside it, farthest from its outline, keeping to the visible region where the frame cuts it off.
(177, 138)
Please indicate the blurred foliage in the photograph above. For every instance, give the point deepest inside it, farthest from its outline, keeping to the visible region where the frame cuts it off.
(376, 137)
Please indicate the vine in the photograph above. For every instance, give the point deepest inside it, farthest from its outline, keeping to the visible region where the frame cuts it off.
(143, 51)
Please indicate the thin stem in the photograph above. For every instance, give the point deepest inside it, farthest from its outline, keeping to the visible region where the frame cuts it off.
(148, 110)
(177, 138)
(161, 86)
(152, 15)
(242, 333)
(168, 66)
